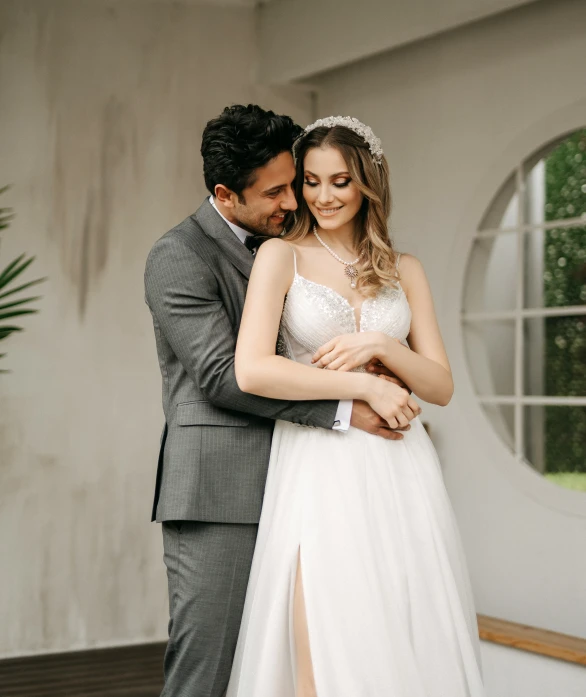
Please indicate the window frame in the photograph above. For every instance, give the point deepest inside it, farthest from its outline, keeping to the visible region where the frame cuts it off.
(519, 399)
(500, 175)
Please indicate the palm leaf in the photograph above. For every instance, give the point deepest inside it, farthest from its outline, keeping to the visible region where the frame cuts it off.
(14, 269)
(6, 217)
(15, 303)
(16, 313)
(14, 308)
(11, 266)
(5, 213)
(24, 286)
(7, 331)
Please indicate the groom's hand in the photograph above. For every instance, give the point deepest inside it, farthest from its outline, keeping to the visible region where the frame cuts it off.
(375, 367)
(366, 419)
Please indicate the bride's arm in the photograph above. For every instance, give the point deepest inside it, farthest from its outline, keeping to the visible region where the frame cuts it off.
(259, 371)
(424, 365)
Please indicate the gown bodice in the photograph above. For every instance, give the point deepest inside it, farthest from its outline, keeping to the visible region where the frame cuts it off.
(314, 314)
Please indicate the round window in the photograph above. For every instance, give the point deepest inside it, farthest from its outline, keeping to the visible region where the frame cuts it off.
(524, 311)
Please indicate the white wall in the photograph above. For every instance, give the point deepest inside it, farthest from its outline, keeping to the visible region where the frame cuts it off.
(456, 114)
(338, 32)
(103, 105)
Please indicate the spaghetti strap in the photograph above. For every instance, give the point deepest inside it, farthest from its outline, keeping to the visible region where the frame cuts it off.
(294, 257)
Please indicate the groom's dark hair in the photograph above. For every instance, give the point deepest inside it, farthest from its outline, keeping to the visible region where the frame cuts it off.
(239, 141)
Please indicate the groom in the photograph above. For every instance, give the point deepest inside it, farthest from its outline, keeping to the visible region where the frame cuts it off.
(215, 446)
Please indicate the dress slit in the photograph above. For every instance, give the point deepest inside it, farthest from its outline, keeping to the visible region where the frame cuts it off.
(304, 667)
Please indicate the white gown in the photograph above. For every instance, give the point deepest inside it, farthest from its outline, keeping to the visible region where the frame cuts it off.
(388, 601)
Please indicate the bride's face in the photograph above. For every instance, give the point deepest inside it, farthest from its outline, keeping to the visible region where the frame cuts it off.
(328, 189)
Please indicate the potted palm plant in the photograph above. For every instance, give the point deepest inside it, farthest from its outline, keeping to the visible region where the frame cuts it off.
(12, 304)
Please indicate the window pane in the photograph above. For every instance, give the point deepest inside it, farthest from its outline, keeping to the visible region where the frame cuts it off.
(490, 349)
(565, 179)
(555, 259)
(555, 443)
(555, 356)
(502, 418)
(555, 267)
(492, 274)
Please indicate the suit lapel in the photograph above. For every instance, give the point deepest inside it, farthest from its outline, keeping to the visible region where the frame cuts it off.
(214, 226)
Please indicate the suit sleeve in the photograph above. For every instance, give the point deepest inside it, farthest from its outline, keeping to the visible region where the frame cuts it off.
(183, 296)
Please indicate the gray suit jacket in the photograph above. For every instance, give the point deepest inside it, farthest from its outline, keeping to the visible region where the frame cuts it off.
(216, 442)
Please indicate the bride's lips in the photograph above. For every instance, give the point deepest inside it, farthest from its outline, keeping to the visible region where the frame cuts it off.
(328, 212)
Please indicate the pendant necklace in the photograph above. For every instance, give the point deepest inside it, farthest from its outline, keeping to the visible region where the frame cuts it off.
(350, 269)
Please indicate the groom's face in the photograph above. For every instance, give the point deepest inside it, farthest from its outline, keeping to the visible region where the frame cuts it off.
(264, 206)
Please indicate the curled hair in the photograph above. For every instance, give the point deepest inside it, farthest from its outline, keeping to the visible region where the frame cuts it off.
(377, 255)
(239, 141)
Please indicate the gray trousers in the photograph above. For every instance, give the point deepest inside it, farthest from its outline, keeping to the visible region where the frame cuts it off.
(208, 565)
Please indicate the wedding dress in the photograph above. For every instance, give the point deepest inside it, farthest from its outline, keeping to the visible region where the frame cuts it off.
(388, 601)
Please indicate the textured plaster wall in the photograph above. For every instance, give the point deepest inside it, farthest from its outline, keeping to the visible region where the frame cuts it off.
(102, 109)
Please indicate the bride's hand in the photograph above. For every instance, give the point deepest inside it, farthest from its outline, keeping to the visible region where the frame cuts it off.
(348, 351)
(393, 403)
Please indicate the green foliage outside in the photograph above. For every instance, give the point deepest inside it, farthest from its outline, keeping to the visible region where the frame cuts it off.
(569, 480)
(565, 284)
(16, 305)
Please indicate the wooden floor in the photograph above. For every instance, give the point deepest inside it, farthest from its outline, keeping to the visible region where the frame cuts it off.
(130, 671)
(137, 671)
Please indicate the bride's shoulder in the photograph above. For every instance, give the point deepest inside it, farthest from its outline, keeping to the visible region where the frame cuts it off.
(275, 253)
(411, 271)
(274, 248)
(407, 262)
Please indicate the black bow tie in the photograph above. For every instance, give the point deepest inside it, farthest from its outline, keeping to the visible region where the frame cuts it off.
(253, 242)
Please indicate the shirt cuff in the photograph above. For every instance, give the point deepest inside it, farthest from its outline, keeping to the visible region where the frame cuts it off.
(343, 415)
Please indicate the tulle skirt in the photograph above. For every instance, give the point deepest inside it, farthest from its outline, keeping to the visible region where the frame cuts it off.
(388, 600)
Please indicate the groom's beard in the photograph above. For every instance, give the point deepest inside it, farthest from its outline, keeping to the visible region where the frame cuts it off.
(263, 225)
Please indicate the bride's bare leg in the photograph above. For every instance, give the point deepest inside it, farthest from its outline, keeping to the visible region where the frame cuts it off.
(305, 679)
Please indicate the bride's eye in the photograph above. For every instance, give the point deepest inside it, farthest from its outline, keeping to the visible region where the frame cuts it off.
(310, 183)
(341, 185)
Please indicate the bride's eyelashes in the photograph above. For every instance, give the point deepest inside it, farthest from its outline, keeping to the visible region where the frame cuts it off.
(338, 185)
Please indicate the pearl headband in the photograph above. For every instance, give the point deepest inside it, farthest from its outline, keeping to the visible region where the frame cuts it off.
(364, 131)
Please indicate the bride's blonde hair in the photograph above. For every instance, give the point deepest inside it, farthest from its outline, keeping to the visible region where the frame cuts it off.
(378, 257)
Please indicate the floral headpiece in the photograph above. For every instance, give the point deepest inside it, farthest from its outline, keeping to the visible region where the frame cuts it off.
(364, 131)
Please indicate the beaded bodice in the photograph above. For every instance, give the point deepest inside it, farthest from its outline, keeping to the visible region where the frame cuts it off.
(314, 314)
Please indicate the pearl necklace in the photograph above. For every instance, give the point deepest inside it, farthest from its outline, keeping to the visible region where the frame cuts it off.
(350, 269)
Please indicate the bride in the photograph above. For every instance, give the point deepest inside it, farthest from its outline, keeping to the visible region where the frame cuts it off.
(359, 586)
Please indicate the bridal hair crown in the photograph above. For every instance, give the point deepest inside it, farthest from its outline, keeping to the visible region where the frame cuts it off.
(364, 131)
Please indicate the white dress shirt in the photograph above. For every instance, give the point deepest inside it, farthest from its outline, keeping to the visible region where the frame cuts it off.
(344, 411)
